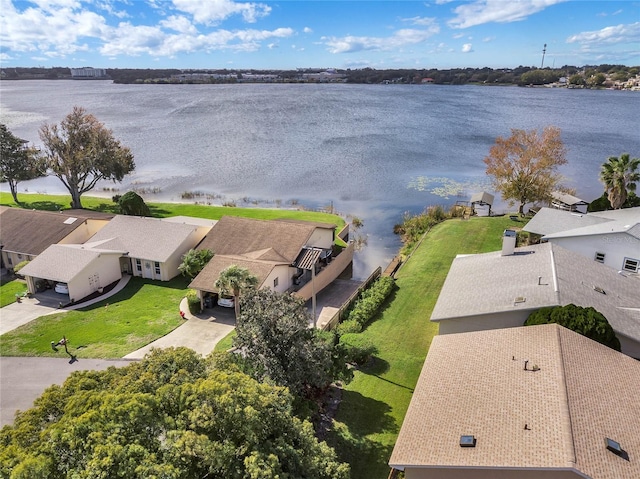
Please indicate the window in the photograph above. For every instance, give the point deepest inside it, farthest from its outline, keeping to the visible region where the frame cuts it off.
(631, 264)
(275, 283)
(9, 260)
(139, 266)
(19, 256)
(599, 257)
(157, 265)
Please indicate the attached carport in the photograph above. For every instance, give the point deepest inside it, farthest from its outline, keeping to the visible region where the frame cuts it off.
(83, 269)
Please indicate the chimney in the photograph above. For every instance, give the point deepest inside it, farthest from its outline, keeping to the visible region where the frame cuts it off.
(508, 242)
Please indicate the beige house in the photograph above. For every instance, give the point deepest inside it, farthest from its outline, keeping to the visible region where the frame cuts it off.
(537, 402)
(282, 254)
(24, 234)
(492, 291)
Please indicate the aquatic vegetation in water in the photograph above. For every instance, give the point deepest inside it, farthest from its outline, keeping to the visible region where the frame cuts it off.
(447, 187)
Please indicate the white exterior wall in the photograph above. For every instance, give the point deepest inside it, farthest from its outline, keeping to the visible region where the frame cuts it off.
(101, 272)
(11, 259)
(484, 322)
(615, 246)
(169, 268)
(321, 238)
(629, 346)
(284, 273)
(83, 232)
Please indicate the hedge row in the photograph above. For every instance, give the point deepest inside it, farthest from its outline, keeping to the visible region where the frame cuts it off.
(367, 305)
(194, 301)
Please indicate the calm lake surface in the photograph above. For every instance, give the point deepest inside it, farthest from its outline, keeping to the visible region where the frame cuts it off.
(373, 151)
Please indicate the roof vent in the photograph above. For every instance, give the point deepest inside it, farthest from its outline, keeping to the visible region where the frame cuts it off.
(70, 220)
(616, 448)
(599, 290)
(467, 441)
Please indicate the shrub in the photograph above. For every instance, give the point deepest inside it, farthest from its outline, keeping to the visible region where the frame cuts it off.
(194, 301)
(349, 326)
(370, 301)
(358, 347)
(19, 266)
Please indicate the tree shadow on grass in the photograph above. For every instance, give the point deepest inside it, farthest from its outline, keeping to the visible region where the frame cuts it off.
(364, 415)
(157, 211)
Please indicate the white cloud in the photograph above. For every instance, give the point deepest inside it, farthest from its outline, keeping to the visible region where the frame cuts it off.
(488, 39)
(467, 48)
(421, 21)
(212, 12)
(458, 35)
(616, 34)
(179, 24)
(499, 11)
(307, 30)
(399, 39)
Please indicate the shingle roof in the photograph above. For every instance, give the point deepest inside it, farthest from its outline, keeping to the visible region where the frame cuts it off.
(211, 272)
(550, 220)
(545, 275)
(63, 262)
(241, 236)
(623, 214)
(608, 227)
(146, 238)
(567, 199)
(32, 231)
(475, 384)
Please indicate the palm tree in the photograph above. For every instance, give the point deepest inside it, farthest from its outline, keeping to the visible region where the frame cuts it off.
(233, 280)
(619, 176)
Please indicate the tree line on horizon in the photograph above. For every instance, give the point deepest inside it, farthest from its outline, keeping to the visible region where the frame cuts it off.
(588, 75)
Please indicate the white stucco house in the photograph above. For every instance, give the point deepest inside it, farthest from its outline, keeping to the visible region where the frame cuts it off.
(492, 291)
(608, 237)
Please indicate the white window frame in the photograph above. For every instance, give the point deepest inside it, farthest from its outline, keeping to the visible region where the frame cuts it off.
(138, 266)
(275, 282)
(625, 266)
(156, 266)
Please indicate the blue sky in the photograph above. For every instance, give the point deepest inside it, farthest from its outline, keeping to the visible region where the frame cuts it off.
(289, 34)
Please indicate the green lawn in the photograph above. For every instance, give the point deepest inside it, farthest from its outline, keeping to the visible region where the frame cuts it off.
(8, 291)
(161, 210)
(142, 312)
(375, 402)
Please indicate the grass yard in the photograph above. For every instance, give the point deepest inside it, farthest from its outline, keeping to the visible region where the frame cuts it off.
(374, 404)
(162, 210)
(9, 290)
(142, 312)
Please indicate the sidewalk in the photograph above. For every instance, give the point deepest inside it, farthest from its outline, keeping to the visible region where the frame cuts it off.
(200, 333)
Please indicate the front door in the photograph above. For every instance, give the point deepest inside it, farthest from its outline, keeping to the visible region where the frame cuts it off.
(147, 270)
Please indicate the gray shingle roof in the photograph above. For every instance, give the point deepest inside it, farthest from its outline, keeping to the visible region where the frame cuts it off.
(488, 283)
(146, 238)
(475, 383)
(550, 220)
(624, 214)
(608, 227)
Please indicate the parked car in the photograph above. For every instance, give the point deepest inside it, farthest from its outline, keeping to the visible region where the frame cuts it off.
(226, 301)
(62, 288)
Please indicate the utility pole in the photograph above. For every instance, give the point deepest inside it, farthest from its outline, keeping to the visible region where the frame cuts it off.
(544, 50)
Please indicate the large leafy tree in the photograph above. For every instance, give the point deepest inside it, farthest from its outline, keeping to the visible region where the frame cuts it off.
(274, 334)
(233, 280)
(17, 161)
(524, 166)
(82, 151)
(585, 321)
(194, 261)
(619, 176)
(174, 415)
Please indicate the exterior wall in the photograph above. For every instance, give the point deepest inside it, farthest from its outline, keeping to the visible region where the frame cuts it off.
(284, 274)
(83, 232)
(103, 271)
(322, 238)
(148, 270)
(169, 269)
(629, 346)
(488, 473)
(11, 259)
(615, 246)
(484, 322)
(328, 274)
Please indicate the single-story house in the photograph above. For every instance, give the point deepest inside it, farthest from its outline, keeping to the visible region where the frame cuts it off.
(567, 202)
(536, 402)
(147, 247)
(27, 233)
(493, 291)
(611, 237)
(85, 269)
(280, 253)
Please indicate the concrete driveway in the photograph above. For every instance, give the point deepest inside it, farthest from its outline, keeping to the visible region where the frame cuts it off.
(22, 380)
(200, 333)
(16, 314)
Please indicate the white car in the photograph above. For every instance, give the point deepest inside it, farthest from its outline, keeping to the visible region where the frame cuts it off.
(226, 301)
(62, 288)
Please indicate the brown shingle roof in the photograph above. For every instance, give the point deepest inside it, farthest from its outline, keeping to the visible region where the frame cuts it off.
(211, 272)
(32, 231)
(232, 235)
(475, 384)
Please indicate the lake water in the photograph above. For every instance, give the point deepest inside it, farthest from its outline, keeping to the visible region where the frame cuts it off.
(373, 151)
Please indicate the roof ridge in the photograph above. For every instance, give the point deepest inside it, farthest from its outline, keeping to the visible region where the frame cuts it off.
(567, 424)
